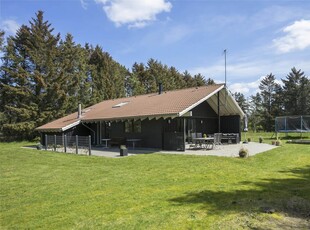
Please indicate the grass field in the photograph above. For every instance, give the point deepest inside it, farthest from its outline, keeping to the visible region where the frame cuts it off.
(50, 190)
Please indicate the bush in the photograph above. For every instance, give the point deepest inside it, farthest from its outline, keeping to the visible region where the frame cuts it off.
(39, 146)
(273, 142)
(249, 139)
(278, 143)
(260, 139)
(243, 152)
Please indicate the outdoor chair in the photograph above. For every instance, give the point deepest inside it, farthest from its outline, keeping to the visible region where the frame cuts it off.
(192, 141)
(217, 140)
(199, 135)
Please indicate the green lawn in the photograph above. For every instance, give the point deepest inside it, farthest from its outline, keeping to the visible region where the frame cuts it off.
(268, 137)
(49, 190)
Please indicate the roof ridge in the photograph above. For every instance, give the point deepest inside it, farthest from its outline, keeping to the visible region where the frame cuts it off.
(164, 91)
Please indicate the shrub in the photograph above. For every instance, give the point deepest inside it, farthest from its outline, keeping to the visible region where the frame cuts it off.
(204, 135)
(249, 139)
(260, 139)
(273, 142)
(243, 152)
(278, 143)
(39, 146)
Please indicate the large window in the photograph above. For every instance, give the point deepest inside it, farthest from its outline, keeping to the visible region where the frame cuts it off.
(132, 126)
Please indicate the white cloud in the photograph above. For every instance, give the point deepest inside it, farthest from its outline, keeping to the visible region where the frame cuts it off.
(240, 70)
(297, 37)
(134, 13)
(244, 76)
(83, 4)
(10, 26)
(247, 88)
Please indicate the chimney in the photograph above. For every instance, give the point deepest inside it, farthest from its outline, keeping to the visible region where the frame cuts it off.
(160, 88)
(79, 111)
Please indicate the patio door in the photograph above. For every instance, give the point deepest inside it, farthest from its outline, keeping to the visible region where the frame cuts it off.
(174, 134)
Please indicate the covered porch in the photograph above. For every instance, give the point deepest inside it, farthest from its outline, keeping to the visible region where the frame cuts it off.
(217, 113)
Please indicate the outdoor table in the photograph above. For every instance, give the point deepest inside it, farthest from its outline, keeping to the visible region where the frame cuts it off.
(206, 140)
(133, 142)
(106, 142)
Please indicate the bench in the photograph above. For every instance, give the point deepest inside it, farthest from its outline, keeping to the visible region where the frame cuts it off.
(230, 138)
(117, 141)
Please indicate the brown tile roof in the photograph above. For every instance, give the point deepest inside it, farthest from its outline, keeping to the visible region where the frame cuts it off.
(170, 103)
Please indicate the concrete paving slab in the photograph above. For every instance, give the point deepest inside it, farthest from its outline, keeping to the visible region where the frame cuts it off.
(231, 150)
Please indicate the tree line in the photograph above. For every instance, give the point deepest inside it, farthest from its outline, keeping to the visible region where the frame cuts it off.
(44, 77)
(289, 97)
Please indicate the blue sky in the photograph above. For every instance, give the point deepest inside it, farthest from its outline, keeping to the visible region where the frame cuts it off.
(261, 36)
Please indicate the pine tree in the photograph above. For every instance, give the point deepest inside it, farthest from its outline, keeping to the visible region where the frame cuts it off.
(107, 76)
(1, 40)
(242, 102)
(268, 88)
(74, 71)
(188, 79)
(177, 78)
(255, 111)
(32, 87)
(296, 91)
(199, 80)
(304, 95)
(210, 81)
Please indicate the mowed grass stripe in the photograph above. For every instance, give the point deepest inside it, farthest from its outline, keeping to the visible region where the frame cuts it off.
(53, 190)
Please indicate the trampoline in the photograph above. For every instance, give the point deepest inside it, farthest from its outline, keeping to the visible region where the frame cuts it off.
(292, 124)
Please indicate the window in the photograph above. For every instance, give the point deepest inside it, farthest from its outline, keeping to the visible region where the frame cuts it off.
(132, 126)
(120, 104)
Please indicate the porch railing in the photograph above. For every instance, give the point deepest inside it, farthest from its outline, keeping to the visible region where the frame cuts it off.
(68, 144)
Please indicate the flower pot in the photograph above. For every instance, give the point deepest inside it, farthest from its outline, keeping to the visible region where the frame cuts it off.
(124, 152)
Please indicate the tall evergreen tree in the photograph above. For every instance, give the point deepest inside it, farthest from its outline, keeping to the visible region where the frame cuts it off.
(268, 88)
(188, 79)
(304, 95)
(108, 76)
(199, 80)
(255, 111)
(296, 91)
(74, 70)
(1, 40)
(242, 102)
(210, 81)
(32, 86)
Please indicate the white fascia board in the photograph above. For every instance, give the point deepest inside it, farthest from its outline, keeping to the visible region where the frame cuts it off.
(236, 104)
(71, 125)
(200, 101)
(50, 130)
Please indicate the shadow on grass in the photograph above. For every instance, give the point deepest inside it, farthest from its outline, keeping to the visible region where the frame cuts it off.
(290, 196)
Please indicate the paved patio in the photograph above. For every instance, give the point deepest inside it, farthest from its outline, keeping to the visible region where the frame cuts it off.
(231, 150)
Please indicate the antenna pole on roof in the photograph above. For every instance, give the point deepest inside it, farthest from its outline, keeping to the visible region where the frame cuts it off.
(225, 51)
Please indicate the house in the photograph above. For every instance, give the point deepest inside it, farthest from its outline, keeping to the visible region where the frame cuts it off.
(163, 120)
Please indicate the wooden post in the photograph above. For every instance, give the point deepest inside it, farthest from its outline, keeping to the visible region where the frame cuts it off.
(55, 143)
(76, 144)
(45, 141)
(218, 112)
(89, 145)
(184, 133)
(65, 143)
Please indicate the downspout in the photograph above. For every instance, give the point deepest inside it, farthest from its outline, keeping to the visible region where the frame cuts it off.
(218, 112)
(90, 130)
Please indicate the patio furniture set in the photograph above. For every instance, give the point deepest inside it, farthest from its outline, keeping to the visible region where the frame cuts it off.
(118, 141)
(213, 140)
